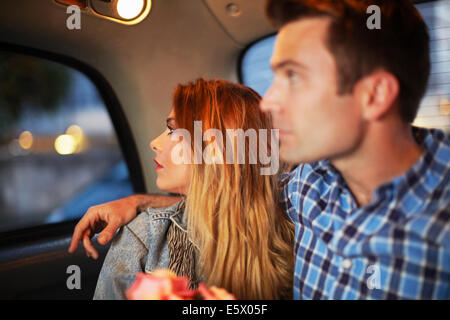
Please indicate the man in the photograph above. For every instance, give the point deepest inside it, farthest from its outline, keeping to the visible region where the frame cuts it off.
(372, 204)
(371, 197)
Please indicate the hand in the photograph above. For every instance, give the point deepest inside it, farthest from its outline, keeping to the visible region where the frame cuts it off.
(111, 216)
(107, 217)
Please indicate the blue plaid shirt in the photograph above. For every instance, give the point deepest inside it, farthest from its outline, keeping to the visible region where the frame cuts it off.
(396, 247)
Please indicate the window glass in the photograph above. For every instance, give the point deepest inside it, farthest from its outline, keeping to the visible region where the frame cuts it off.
(434, 111)
(58, 149)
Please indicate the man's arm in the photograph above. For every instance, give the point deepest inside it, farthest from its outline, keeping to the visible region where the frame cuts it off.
(145, 201)
(107, 218)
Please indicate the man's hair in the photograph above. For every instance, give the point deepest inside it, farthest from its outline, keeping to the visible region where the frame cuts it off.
(400, 46)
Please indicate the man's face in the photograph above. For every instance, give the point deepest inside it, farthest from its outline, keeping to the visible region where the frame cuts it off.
(315, 123)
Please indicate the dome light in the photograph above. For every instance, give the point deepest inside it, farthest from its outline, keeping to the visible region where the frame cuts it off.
(129, 9)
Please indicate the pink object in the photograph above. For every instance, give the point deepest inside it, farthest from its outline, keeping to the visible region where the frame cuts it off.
(163, 284)
(160, 285)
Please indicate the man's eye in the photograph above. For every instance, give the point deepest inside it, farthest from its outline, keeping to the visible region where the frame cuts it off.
(292, 76)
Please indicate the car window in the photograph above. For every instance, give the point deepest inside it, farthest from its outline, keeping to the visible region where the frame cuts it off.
(59, 153)
(434, 111)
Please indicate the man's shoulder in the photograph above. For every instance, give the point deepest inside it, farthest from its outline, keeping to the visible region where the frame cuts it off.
(433, 221)
(429, 189)
(437, 143)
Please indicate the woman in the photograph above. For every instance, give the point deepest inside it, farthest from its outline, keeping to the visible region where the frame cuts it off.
(227, 231)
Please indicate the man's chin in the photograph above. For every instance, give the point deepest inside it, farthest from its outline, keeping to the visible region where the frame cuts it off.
(289, 155)
(293, 156)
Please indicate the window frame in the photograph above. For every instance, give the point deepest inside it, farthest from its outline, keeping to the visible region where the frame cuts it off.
(244, 51)
(121, 127)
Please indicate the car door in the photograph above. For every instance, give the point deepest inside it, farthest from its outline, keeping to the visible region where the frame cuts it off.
(65, 145)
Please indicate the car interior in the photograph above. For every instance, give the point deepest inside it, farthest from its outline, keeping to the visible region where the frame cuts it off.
(85, 85)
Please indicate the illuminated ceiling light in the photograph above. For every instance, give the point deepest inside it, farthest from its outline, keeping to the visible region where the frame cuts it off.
(129, 9)
(127, 12)
(26, 140)
(65, 144)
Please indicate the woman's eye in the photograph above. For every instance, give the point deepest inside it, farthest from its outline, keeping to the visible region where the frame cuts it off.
(171, 130)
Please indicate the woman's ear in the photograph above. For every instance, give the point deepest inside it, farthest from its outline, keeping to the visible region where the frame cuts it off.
(377, 94)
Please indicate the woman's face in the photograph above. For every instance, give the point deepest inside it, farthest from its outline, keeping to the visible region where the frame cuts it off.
(172, 177)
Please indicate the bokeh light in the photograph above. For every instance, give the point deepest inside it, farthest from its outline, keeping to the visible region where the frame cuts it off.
(26, 140)
(65, 144)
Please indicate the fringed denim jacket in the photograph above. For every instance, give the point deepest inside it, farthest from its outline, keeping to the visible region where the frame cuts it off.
(155, 239)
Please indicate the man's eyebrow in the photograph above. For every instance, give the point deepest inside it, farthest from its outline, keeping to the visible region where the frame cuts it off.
(287, 63)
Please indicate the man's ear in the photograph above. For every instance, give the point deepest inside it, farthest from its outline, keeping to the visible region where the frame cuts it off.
(376, 94)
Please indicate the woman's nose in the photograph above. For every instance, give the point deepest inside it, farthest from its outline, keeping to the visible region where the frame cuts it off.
(154, 145)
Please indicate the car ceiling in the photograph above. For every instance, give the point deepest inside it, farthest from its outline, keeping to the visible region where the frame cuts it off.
(179, 41)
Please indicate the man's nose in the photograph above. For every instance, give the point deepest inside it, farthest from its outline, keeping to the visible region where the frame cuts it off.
(270, 102)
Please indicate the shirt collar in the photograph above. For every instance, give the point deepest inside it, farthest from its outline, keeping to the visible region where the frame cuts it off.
(434, 161)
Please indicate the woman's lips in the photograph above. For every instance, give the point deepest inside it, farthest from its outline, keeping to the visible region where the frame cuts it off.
(158, 166)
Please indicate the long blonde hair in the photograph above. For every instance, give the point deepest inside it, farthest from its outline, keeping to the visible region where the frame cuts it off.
(245, 240)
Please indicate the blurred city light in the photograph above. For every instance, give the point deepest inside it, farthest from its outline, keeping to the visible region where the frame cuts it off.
(80, 139)
(26, 140)
(65, 144)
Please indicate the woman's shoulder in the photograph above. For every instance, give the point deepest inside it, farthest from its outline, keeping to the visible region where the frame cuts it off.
(152, 220)
(164, 211)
